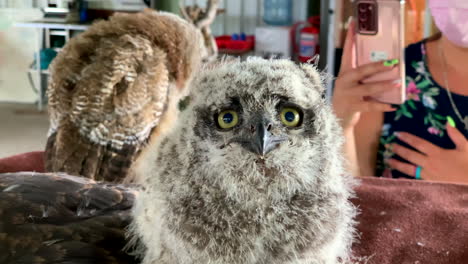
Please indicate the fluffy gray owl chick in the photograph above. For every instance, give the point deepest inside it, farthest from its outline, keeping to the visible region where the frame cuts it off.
(251, 173)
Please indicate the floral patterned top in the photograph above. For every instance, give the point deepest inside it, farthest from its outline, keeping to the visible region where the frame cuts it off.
(423, 114)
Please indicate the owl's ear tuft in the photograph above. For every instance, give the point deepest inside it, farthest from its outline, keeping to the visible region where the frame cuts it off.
(184, 103)
(316, 77)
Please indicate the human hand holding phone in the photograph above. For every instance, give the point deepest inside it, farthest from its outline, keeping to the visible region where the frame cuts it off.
(380, 36)
(351, 96)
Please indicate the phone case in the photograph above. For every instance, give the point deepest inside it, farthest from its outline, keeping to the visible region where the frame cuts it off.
(380, 36)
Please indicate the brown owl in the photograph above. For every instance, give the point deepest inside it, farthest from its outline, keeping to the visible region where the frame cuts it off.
(115, 86)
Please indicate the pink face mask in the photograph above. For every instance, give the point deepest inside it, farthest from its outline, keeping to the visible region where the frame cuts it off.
(451, 17)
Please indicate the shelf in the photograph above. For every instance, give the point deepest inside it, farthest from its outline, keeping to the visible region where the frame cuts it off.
(53, 25)
(47, 72)
(58, 33)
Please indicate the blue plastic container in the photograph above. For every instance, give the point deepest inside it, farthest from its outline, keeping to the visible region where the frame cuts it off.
(277, 12)
(83, 11)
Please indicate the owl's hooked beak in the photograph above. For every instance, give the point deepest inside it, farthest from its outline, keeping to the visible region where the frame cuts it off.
(262, 141)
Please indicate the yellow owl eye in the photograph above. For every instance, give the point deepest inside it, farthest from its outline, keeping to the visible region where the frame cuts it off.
(227, 119)
(290, 117)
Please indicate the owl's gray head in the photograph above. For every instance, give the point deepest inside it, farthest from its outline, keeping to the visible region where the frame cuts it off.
(251, 173)
(259, 119)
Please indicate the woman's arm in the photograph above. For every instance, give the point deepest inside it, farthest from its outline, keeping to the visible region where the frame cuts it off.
(366, 137)
(350, 103)
(350, 152)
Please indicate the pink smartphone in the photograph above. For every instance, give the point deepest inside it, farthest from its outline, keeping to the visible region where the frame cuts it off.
(380, 36)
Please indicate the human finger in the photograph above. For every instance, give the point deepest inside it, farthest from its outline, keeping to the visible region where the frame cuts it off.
(410, 155)
(418, 143)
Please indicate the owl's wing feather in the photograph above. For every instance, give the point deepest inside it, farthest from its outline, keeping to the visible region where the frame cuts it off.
(56, 218)
(68, 151)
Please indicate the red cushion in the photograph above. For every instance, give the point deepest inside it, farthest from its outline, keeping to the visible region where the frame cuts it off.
(29, 161)
(400, 221)
(409, 221)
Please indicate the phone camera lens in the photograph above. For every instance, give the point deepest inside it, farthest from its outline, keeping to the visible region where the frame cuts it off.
(362, 8)
(363, 26)
(363, 17)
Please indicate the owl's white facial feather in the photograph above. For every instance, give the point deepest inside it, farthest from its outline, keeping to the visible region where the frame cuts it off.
(225, 204)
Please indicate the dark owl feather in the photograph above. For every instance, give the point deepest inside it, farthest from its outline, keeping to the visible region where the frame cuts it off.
(56, 218)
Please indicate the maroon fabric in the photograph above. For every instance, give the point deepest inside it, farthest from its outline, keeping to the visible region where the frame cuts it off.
(400, 221)
(409, 221)
(30, 161)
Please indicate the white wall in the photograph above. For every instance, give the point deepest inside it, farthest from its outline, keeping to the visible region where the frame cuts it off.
(117, 4)
(22, 3)
(234, 20)
(17, 46)
(228, 23)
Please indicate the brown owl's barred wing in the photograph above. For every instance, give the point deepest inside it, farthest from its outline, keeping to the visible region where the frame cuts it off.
(110, 88)
(77, 155)
(56, 218)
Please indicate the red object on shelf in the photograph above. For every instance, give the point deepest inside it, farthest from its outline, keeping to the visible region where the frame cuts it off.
(306, 38)
(227, 44)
